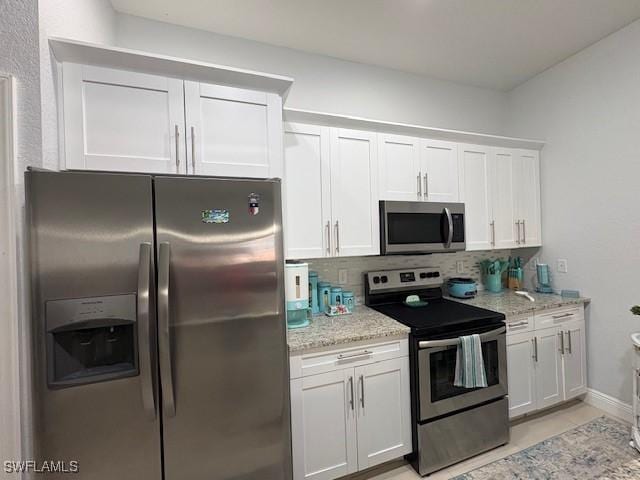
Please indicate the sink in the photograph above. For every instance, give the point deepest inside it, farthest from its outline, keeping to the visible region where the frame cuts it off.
(635, 338)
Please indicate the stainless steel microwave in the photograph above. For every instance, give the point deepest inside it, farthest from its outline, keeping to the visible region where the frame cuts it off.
(421, 227)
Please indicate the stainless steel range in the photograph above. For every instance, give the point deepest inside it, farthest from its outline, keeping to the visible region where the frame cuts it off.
(450, 423)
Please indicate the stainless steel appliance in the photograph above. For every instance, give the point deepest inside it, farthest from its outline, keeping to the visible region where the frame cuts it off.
(421, 227)
(449, 423)
(159, 326)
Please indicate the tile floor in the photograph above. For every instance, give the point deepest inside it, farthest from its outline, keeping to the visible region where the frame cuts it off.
(524, 433)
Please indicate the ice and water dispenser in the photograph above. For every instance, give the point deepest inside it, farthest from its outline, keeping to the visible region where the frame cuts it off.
(91, 340)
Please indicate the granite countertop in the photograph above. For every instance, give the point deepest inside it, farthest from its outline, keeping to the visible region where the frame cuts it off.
(363, 324)
(510, 304)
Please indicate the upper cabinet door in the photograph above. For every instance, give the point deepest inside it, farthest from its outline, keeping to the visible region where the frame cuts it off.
(503, 188)
(528, 165)
(233, 132)
(122, 121)
(439, 169)
(399, 162)
(474, 191)
(354, 192)
(306, 191)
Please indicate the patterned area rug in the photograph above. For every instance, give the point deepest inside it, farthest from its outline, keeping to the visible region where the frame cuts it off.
(597, 450)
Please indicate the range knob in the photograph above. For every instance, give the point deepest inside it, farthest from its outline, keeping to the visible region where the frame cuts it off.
(436, 274)
(430, 274)
(384, 279)
(423, 275)
(376, 280)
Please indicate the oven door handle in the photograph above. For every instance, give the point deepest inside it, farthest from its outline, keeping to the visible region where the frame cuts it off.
(449, 342)
(447, 212)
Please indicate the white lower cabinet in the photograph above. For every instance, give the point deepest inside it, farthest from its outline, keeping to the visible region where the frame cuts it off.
(352, 417)
(546, 365)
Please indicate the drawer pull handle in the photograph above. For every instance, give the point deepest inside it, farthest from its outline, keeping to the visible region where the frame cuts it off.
(344, 356)
(564, 315)
(519, 324)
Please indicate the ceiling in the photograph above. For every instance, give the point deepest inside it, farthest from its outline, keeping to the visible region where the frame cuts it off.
(497, 44)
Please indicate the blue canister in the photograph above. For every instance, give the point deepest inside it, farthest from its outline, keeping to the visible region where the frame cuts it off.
(313, 291)
(324, 296)
(348, 300)
(336, 295)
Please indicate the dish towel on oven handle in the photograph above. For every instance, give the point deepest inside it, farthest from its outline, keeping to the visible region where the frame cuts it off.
(469, 363)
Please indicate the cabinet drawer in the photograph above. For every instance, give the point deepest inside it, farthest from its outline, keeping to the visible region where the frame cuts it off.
(519, 324)
(349, 355)
(558, 316)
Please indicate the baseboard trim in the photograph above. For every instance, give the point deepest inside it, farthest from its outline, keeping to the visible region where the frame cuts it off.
(609, 404)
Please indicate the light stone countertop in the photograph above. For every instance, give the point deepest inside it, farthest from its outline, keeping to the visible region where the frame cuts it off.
(510, 304)
(363, 324)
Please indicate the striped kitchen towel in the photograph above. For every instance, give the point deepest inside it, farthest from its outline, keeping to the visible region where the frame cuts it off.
(469, 363)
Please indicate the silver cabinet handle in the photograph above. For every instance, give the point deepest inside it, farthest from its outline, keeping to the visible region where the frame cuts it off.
(343, 356)
(564, 315)
(164, 334)
(524, 232)
(568, 341)
(448, 342)
(337, 237)
(561, 349)
(447, 212)
(519, 324)
(193, 149)
(535, 348)
(638, 383)
(518, 232)
(419, 187)
(362, 390)
(329, 237)
(426, 186)
(351, 399)
(493, 233)
(177, 130)
(144, 326)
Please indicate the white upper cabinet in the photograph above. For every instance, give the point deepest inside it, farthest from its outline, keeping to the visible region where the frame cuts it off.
(399, 160)
(475, 172)
(528, 197)
(307, 191)
(503, 189)
(233, 132)
(439, 169)
(354, 192)
(122, 121)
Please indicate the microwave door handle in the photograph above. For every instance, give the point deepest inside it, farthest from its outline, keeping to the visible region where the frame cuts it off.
(449, 342)
(144, 325)
(166, 375)
(447, 212)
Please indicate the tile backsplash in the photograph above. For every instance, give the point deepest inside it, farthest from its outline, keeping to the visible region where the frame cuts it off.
(327, 268)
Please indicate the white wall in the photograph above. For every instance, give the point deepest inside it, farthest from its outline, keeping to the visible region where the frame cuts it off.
(328, 84)
(588, 110)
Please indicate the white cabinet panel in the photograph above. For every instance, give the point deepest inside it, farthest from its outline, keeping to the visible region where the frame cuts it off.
(306, 191)
(549, 368)
(574, 359)
(503, 188)
(354, 192)
(521, 373)
(439, 168)
(323, 426)
(122, 121)
(384, 412)
(399, 172)
(474, 188)
(528, 203)
(233, 132)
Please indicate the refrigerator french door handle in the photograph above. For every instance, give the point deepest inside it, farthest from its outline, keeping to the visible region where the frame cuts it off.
(447, 212)
(143, 300)
(166, 375)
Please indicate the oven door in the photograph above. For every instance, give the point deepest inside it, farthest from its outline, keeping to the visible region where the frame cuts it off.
(421, 227)
(436, 373)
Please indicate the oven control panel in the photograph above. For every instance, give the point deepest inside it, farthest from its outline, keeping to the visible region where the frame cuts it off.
(403, 278)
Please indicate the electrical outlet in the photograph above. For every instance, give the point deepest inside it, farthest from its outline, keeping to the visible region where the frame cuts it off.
(343, 276)
(562, 265)
(460, 266)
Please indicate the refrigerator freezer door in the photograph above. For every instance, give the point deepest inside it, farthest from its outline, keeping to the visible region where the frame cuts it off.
(90, 238)
(228, 413)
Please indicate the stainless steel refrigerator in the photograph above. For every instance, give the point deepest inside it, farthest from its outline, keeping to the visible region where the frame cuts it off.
(159, 326)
